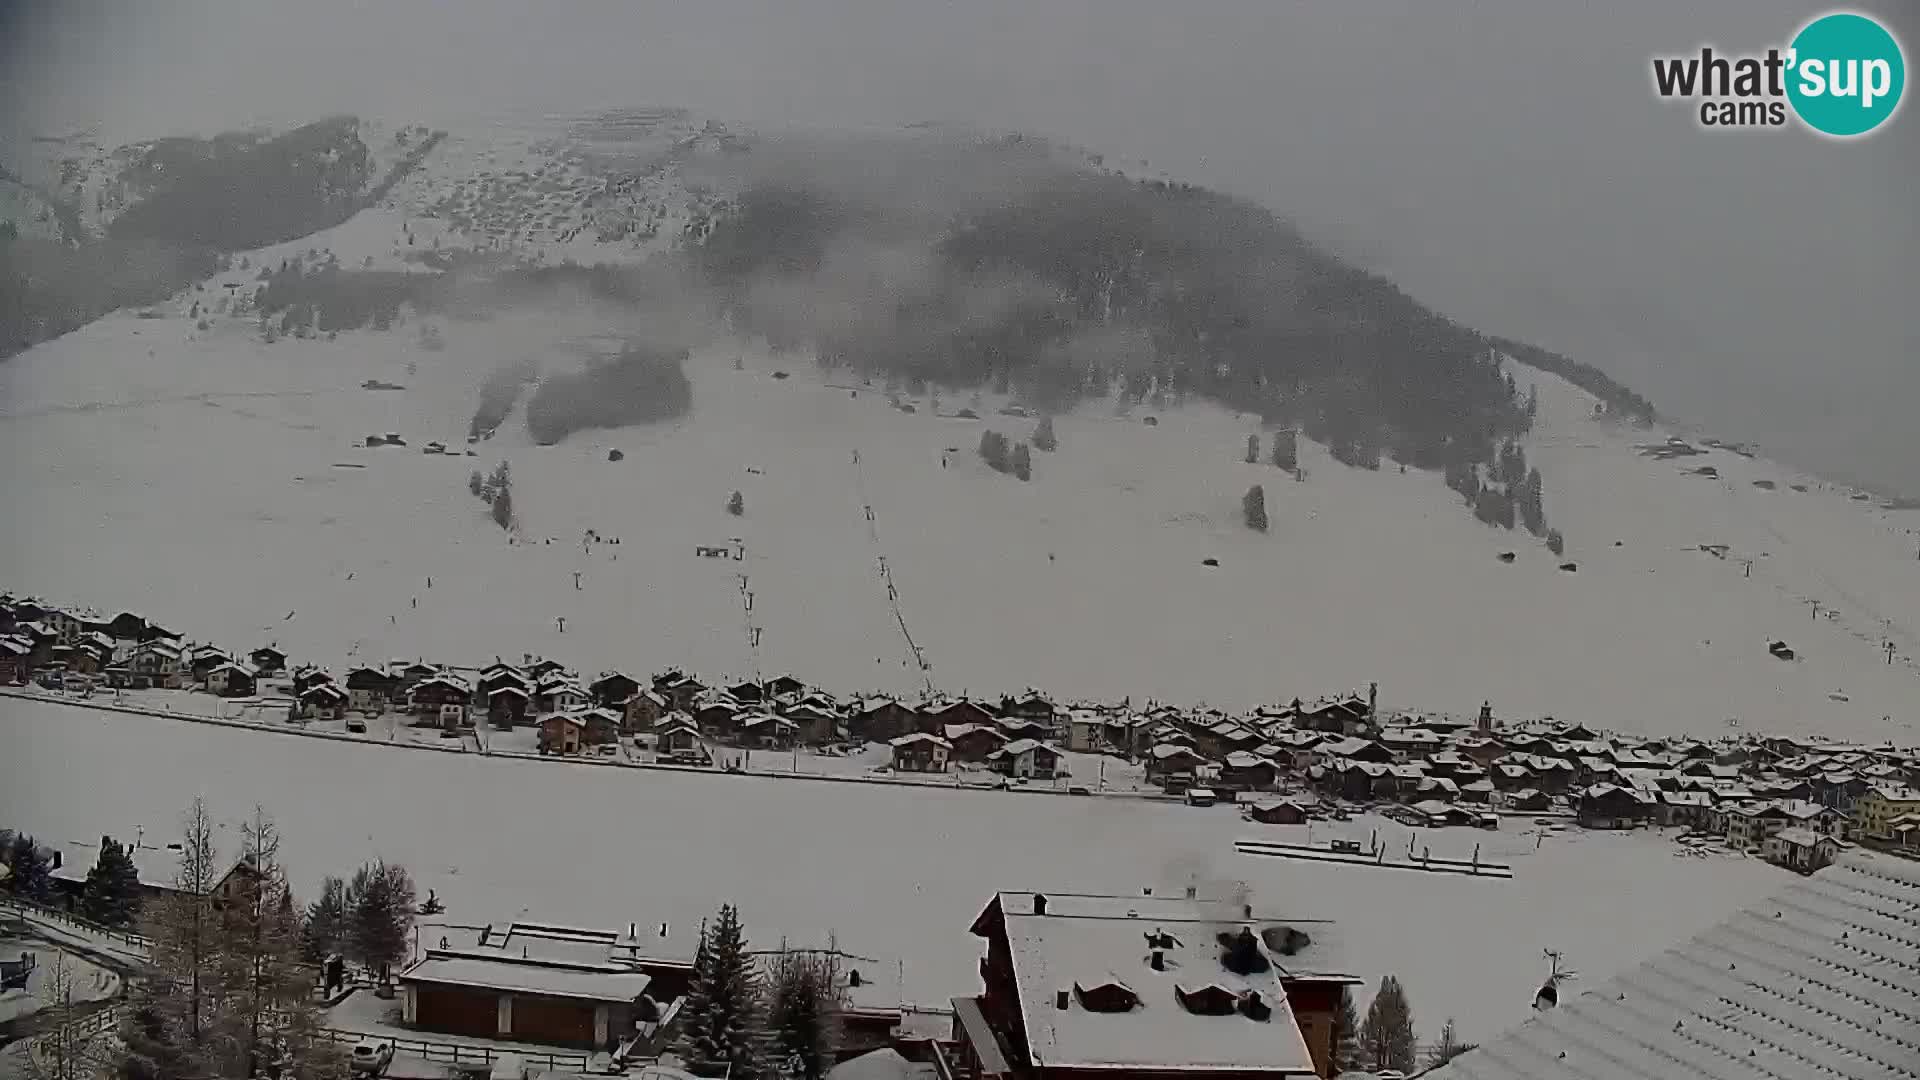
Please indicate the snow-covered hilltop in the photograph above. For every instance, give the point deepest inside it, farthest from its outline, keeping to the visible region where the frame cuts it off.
(207, 460)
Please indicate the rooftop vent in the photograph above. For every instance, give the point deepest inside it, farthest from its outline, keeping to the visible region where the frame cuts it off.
(1039, 903)
(1157, 960)
(1284, 940)
(1240, 953)
(1061, 998)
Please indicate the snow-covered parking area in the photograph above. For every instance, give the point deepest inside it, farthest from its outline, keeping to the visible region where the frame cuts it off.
(896, 872)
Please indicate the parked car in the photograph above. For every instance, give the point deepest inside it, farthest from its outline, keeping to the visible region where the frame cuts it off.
(357, 725)
(371, 1057)
(1079, 791)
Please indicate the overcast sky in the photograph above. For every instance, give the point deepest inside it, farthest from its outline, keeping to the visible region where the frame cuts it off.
(1503, 160)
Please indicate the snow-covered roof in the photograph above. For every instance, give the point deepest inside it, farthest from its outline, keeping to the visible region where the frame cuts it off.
(1813, 983)
(1022, 746)
(1087, 941)
(1799, 836)
(883, 1064)
(546, 979)
(918, 737)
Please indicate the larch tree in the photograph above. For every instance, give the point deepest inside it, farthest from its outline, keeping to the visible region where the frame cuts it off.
(269, 1026)
(720, 1029)
(185, 989)
(111, 895)
(736, 504)
(1386, 1035)
(1346, 1037)
(1448, 1046)
(804, 1009)
(65, 1050)
(1253, 449)
(1022, 462)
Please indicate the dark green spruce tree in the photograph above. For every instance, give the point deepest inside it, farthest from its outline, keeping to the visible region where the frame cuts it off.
(112, 892)
(720, 1031)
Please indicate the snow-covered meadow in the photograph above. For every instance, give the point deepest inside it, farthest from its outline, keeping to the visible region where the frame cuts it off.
(220, 485)
(896, 873)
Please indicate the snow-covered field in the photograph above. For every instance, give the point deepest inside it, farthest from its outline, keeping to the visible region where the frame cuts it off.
(896, 873)
(220, 486)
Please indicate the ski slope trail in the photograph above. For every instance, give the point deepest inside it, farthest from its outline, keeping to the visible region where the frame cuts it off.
(223, 486)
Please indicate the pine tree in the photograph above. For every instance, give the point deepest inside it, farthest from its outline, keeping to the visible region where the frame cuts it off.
(803, 1013)
(112, 892)
(736, 504)
(1043, 438)
(1286, 449)
(1253, 507)
(380, 916)
(1346, 1037)
(1386, 1036)
(993, 450)
(325, 930)
(1533, 516)
(1022, 462)
(1253, 449)
(31, 876)
(477, 484)
(1447, 1047)
(720, 1029)
(503, 509)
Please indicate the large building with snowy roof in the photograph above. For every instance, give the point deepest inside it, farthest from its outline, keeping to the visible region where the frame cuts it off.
(559, 985)
(1820, 981)
(1084, 986)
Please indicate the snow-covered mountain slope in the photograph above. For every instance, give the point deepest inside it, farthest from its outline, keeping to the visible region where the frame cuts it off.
(221, 485)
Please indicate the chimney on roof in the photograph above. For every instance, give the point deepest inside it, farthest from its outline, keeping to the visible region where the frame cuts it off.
(1192, 891)
(1247, 910)
(853, 977)
(1061, 998)
(1147, 891)
(1157, 960)
(1039, 903)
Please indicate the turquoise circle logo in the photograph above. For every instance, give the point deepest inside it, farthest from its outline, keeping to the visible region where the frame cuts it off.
(1847, 74)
